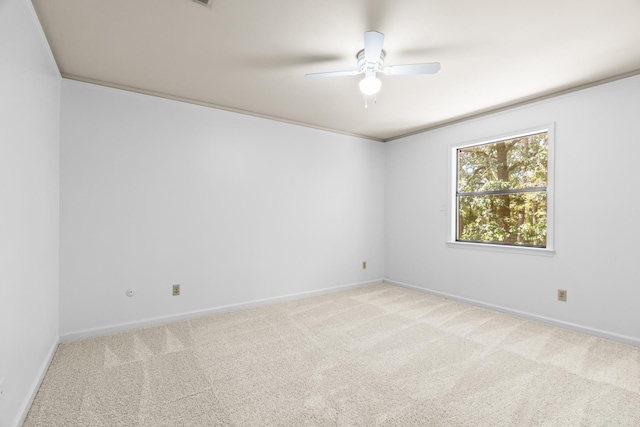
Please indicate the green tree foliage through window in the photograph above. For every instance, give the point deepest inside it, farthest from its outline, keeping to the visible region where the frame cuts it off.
(502, 191)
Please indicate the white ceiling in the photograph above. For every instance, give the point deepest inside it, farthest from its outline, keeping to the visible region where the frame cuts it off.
(252, 55)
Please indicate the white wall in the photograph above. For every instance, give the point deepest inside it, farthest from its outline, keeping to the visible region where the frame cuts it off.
(234, 208)
(597, 210)
(29, 129)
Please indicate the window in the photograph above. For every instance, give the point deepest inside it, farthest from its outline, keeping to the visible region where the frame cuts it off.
(501, 192)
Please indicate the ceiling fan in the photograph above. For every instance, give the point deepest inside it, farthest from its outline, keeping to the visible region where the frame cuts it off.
(370, 61)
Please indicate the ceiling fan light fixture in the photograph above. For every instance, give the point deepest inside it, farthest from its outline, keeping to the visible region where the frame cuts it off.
(370, 85)
(371, 61)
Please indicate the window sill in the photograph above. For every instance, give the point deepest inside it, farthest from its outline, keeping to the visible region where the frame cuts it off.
(523, 250)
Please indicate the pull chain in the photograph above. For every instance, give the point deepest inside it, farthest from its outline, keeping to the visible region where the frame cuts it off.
(366, 100)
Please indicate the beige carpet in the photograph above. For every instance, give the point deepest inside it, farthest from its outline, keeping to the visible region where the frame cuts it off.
(376, 355)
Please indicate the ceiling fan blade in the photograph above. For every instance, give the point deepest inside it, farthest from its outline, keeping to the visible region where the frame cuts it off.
(397, 70)
(373, 46)
(332, 74)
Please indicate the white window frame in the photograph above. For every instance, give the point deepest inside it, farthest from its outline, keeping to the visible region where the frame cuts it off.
(452, 188)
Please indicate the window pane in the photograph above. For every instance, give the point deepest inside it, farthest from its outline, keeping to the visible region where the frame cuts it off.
(515, 219)
(510, 164)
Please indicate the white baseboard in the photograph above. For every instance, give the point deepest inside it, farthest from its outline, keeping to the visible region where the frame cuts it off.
(625, 339)
(36, 384)
(74, 336)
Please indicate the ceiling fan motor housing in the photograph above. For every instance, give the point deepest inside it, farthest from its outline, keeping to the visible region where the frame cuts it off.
(369, 67)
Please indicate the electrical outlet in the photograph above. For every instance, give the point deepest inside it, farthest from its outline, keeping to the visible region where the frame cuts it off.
(176, 290)
(364, 265)
(562, 295)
